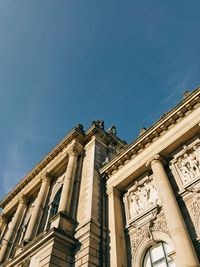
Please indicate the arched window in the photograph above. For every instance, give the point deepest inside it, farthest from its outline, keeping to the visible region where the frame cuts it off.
(159, 255)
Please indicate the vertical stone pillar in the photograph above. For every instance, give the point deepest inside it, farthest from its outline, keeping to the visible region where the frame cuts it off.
(38, 208)
(3, 222)
(13, 227)
(186, 256)
(118, 254)
(67, 190)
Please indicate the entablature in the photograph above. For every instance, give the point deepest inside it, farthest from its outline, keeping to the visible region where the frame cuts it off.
(177, 126)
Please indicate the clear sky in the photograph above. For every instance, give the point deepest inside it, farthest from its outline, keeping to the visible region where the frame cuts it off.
(64, 62)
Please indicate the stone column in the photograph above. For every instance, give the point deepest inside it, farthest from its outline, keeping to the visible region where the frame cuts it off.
(3, 222)
(118, 253)
(38, 208)
(67, 190)
(186, 255)
(13, 227)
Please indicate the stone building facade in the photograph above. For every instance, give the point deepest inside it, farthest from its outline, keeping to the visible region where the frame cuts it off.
(96, 201)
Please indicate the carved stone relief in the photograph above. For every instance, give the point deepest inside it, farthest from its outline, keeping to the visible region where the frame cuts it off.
(187, 164)
(141, 198)
(25, 263)
(138, 235)
(157, 224)
(195, 213)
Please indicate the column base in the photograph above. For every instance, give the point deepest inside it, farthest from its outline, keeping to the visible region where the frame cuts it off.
(64, 222)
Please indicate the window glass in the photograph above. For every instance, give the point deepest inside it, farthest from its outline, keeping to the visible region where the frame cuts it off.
(55, 203)
(171, 264)
(167, 248)
(157, 252)
(159, 255)
(53, 207)
(147, 261)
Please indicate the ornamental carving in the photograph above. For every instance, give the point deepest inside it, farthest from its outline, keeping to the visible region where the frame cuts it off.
(157, 224)
(138, 235)
(188, 164)
(195, 212)
(160, 224)
(142, 198)
(25, 263)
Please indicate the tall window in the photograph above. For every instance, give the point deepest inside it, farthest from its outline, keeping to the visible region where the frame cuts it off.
(159, 255)
(54, 206)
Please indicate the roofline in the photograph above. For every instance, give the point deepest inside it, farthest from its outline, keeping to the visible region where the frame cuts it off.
(76, 132)
(155, 130)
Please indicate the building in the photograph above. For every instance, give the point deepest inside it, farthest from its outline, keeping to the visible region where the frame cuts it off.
(96, 201)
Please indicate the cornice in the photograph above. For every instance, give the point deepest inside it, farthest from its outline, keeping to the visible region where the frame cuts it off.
(157, 129)
(81, 138)
(76, 133)
(105, 136)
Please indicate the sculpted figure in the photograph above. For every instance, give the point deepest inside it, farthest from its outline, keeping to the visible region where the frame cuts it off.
(134, 207)
(143, 198)
(197, 153)
(193, 164)
(153, 195)
(99, 123)
(112, 130)
(183, 166)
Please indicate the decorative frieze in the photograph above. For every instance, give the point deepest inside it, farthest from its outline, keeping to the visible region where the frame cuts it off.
(187, 163)
(140, 198)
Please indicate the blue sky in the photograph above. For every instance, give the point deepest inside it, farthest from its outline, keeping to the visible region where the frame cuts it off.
(65, 62)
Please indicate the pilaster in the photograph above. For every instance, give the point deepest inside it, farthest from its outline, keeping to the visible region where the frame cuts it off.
(91, 231)
(118, 252)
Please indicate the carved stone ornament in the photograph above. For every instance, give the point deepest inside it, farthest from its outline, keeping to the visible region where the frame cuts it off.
(188, 164)
(157, 224)
(98, 123)
(160, 224)
(112, 130)
(142, 198)
(138, 235)
(195, 212)
(111, 153)
(4, 218)
(25, 263)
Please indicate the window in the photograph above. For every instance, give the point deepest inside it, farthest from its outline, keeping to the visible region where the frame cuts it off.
(54, 206)
(159, 255)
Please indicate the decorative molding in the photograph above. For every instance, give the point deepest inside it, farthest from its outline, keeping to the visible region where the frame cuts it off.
(47, 177)
(153, 132)
(140, 198)
(156, 224)
(75, 133)
(25, 262)
(195, 212)
(23, 199)
(74, 149)
(187, 164)
(155, 158)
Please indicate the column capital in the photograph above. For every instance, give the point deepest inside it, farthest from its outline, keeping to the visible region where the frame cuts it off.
(74, 149)
(113, 191)
(4, 218)
(46, 177)
(154, 159)
(23, 199)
